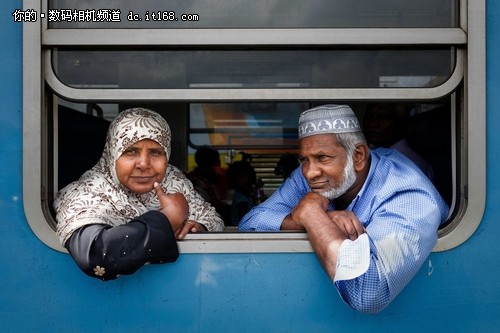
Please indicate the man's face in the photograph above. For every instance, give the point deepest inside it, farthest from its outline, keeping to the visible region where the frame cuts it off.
(326, 166)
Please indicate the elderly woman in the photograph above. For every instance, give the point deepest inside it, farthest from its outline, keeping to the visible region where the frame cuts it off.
(132, 206)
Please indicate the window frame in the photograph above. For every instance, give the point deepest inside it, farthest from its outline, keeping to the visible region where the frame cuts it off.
(469, 39)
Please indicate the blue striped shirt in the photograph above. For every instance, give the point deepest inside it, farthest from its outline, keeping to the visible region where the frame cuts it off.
(401, 211)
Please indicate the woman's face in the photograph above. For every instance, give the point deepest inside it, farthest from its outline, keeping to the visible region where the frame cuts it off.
(140, 165)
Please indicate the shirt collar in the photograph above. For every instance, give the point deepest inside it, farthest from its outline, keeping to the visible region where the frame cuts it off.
(374, 159)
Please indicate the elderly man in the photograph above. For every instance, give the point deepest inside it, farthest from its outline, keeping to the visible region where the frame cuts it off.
(371, 216)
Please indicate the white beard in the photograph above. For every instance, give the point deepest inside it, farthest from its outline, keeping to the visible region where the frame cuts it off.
(347, 182)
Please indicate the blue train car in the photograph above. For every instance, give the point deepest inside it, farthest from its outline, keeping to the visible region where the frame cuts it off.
(223, 78)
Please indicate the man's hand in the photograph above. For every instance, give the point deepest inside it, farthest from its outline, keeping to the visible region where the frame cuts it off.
(310, 207)
(347, 222)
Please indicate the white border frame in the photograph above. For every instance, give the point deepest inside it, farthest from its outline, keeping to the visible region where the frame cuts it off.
(473, 27)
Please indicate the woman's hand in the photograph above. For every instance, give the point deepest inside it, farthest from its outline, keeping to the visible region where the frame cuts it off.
(174, 206)
(176, 209)
(187, 227)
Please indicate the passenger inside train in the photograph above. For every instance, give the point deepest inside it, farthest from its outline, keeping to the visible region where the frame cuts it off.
(386, 125)
(376, 215)
(133, 205)
(242, 180)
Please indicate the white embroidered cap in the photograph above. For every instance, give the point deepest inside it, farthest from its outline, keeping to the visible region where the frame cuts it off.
(328, 119)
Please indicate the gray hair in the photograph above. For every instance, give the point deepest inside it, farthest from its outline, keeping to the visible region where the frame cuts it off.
(349, 141)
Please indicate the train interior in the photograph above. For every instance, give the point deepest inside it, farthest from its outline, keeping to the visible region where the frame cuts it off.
(262, 133)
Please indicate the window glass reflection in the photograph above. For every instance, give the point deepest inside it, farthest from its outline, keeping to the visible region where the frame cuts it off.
(254, 69)
(253, 125)
(252, 14)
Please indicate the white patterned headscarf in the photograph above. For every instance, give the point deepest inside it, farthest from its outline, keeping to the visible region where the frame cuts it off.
(129, 127)
(99, 198)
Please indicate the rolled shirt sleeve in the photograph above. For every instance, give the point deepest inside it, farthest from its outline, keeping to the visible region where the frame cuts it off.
(401, 211)
(401, 214)
(358, 278)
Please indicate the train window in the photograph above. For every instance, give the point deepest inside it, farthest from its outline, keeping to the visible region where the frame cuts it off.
(194, 69)
(238, 85)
